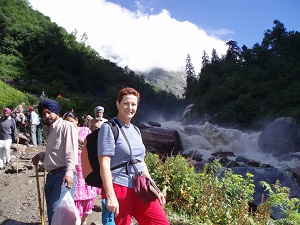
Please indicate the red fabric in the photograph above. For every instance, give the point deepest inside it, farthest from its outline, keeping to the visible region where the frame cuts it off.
(131, 205)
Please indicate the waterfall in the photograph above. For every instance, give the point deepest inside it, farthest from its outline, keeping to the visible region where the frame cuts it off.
(208, 138)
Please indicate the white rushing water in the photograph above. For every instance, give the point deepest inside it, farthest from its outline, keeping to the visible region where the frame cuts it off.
(209, 138)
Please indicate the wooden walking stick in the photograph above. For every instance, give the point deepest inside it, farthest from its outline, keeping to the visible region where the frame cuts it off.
(39, 194)
(17, 156)
(44, 199)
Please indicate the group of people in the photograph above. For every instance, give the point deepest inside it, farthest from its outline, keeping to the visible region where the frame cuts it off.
(62, 160)
(9, 131)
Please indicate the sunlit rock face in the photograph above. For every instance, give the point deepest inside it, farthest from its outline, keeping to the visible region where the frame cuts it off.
(191, 116)
(281, 136)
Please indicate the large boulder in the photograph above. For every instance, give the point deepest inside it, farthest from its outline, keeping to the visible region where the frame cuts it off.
(161, 141)
(281, 136)
(191, 116)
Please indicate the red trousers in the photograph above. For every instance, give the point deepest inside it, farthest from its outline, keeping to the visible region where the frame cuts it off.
(130, 205)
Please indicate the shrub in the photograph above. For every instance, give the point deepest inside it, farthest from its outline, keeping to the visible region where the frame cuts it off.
(215, 195)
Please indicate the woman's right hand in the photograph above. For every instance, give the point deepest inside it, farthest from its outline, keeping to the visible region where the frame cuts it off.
(112, 205)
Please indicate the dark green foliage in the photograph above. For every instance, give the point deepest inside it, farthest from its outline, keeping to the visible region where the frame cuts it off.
(252, 84)
(191, 78)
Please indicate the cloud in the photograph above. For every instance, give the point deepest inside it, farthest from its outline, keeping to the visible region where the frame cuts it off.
(221, 32)
(135, 39)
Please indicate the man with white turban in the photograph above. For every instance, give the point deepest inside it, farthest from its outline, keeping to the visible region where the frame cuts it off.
(98, 120)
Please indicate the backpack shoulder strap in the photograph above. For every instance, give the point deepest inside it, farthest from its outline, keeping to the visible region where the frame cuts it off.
(113, 125)
(137, 129)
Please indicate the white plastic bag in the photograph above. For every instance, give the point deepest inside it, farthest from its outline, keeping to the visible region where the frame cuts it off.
(66, 212)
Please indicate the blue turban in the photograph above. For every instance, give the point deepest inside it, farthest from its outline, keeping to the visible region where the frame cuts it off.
(52, 105)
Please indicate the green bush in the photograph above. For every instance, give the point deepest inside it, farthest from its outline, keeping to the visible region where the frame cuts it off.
(215, 195)
(11, 97)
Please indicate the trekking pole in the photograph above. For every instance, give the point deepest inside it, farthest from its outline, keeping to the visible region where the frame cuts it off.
(39, 193)
(17, 156)
(44, 199)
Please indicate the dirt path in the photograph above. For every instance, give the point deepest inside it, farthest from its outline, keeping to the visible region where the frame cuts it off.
(18, 191)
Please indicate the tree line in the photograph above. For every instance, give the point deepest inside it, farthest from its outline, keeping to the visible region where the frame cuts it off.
(249, 86)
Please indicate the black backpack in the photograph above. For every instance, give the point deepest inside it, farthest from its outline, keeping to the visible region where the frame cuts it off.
(89, 157)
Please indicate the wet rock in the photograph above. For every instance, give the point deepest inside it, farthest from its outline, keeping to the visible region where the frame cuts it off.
(192, 116)
(269, 175)
(281, 136)
(223, 154)
(161, 141)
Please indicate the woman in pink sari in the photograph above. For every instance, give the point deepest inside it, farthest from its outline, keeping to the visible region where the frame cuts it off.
(85, 195)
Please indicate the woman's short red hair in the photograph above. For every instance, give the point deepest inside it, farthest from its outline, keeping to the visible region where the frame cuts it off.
(128, 91)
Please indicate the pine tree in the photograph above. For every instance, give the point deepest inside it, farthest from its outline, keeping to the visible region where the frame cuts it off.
(214, 56)
(191, 78)
(233, 53)
(205, 59)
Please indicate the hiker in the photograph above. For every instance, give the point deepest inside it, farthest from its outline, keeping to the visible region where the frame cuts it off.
(19, 111)
(34, 122)
(39, 129)
(8, 133)
(98, 120)
(61, 155)
(85, 195)
(117, 189)
(86, 120)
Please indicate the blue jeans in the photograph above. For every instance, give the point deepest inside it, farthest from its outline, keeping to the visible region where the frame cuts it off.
(54, 191)
(38, 135)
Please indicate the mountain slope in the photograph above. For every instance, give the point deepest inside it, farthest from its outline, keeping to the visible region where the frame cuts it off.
(173, 82)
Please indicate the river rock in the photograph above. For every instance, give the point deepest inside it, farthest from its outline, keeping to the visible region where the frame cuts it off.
(161, 141)
(269, 175)
(281, 136)
(191, 115)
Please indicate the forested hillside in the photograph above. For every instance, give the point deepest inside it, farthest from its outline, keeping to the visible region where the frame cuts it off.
(243, 87)
(250, 85)
(38, 55)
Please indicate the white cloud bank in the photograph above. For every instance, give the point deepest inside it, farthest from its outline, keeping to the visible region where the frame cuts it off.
(140, 41)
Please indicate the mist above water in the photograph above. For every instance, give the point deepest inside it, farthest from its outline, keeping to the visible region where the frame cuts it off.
(208, 138)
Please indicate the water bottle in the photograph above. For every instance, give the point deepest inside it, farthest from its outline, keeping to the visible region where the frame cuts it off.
(107, 216)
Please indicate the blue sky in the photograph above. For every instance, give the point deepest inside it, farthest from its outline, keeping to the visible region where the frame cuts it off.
(243, 21)
(160, 33)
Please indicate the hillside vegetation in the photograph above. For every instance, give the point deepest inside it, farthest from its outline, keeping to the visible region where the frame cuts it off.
(10, 96)
(32, 48)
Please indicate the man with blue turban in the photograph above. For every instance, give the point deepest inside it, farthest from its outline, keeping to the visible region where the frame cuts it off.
(60, 157)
